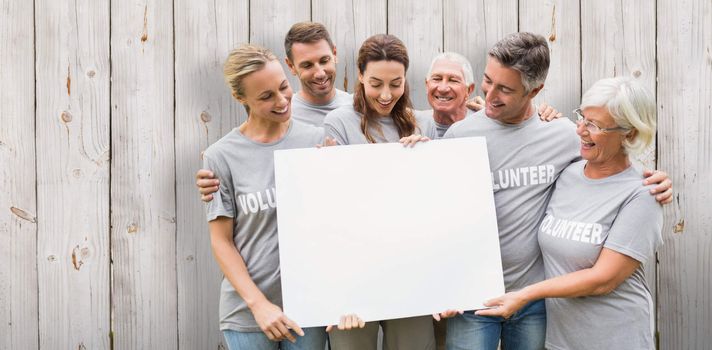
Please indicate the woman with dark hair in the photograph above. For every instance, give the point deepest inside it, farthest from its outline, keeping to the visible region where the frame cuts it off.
(381, 113)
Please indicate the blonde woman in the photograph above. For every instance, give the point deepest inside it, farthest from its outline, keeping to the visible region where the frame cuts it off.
(242, 216)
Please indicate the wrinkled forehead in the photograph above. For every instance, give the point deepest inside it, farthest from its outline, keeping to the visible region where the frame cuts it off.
(445, 66)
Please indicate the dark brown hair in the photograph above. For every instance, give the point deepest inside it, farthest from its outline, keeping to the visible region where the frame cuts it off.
(306, 33)
(384, 47)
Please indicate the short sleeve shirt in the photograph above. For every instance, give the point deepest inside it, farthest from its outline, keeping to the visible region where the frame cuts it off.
(584, 216)
(247, 192)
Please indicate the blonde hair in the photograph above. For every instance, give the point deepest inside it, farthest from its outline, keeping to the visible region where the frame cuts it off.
(630, 105)
(242, 62)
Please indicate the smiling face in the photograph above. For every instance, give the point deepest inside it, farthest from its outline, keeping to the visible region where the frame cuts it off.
(384, 84)
(267, 93)
(506, 99)
(315, 66)
(446, 87)
(603, 147)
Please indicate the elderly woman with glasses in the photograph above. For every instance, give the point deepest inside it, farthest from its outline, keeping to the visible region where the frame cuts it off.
(600, 227)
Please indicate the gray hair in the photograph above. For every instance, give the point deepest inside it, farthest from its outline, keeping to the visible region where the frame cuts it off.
(526, 53)
(455, 57)
(630, 105)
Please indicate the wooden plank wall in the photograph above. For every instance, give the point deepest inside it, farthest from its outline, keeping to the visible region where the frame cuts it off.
(72, 65)
(107, 106)
(19, 322)
(555, 20)
(684, 64)
(205, 111)
(143, 187)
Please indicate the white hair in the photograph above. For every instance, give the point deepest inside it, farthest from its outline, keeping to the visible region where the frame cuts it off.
(630, 105)
(455, 58)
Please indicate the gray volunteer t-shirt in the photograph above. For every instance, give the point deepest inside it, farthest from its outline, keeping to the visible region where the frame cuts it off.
(525, 160)
(247, 194)
(344, 125)
(313, 114)
(440, 128)
(584, 216)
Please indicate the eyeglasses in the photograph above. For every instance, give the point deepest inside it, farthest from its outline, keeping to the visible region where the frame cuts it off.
(593, 128)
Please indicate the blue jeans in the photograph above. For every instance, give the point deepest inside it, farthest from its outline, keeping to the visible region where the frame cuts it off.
(314, 339)
(525, 330)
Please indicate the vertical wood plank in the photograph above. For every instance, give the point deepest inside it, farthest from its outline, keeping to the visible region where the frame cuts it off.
(144, 291)
(205, 111)
(270, 21)
(349, 24)
(472, 27)
(685, 150)
(73, 173)
(558, 21)
(18, 207)
(420, 26)
(614, 43)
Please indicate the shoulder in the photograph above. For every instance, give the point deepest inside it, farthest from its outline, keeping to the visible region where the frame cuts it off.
(298, 104)
(222, 146)
(342, 114)
(308, 130)
(561, 132)
(633, 179)
(572, 172)
(561, 126)
(343, 98)
(424, 118)
(472, 121)
(639, 204)
(425, 122)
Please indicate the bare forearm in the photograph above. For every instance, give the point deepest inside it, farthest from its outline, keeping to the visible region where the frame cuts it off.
(235, 270)
(233, 267)
(576, 284)
(610, 270)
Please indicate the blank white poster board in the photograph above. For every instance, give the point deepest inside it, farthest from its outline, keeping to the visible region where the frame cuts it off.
(386, 232)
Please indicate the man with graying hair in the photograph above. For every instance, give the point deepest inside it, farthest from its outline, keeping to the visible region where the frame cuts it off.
(449, 84)
(526, 156)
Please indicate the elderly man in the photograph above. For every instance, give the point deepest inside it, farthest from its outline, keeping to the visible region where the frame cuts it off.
(449, 84)
(518, 144)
